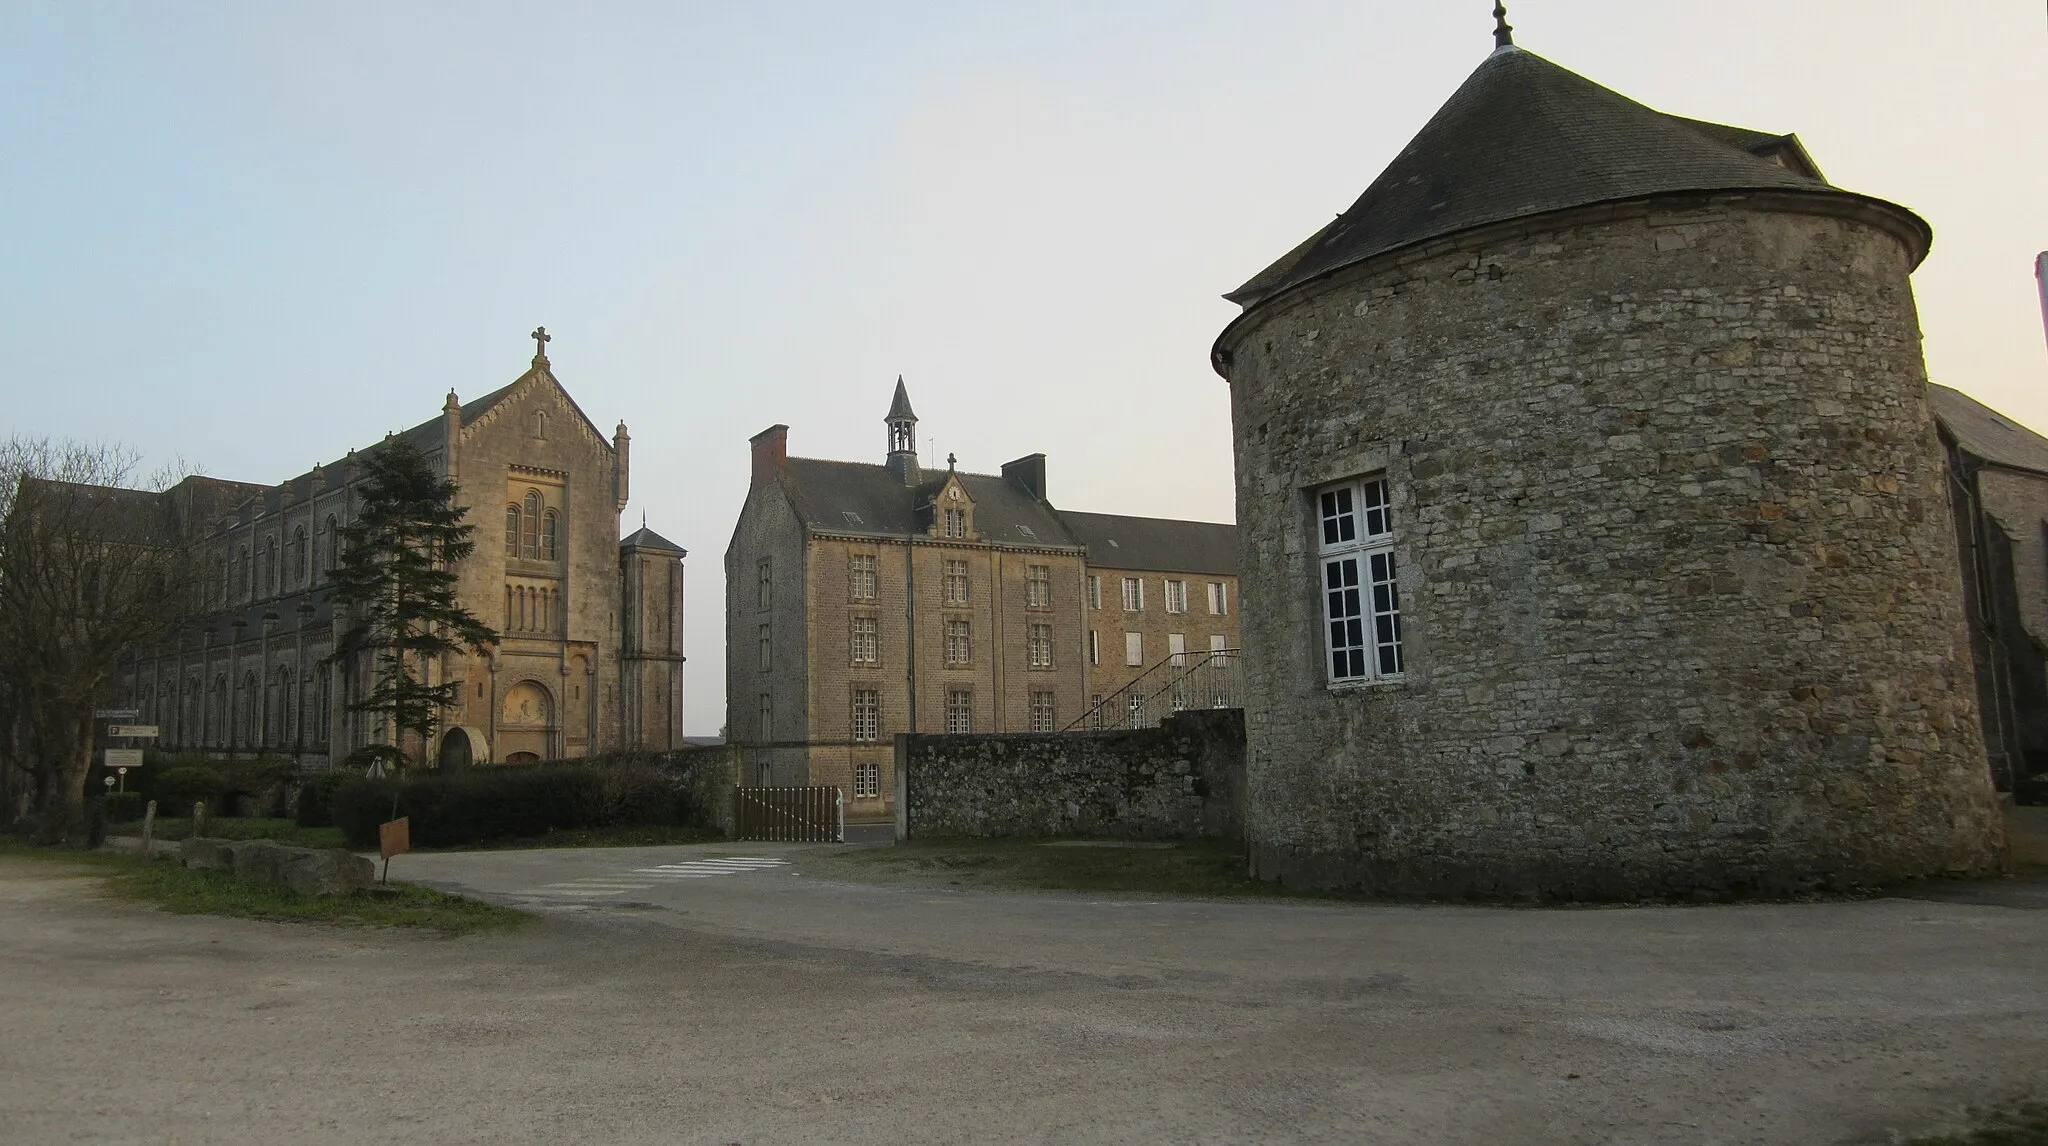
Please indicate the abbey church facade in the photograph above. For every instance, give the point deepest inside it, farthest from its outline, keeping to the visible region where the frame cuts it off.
(590, 656)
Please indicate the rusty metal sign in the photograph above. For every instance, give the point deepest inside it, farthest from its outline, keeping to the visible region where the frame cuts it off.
(395, 837)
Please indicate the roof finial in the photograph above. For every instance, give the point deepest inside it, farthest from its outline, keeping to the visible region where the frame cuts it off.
(541, 338)
(1503, 32)
(952, 460)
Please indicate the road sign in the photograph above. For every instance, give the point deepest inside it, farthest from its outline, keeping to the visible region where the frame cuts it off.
(140, 731)
(116, 714)
(124, 757)
(395, 837)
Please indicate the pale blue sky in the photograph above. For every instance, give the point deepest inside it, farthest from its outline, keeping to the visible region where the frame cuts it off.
(259, 234)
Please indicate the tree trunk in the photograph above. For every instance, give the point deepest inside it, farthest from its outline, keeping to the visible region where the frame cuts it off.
(64, 795)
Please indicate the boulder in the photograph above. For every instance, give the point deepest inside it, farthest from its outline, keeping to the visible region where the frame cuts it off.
(327, 871)
(261, 860)
(202, 854)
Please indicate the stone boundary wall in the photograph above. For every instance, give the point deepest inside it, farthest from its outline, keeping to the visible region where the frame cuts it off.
(1182, 779)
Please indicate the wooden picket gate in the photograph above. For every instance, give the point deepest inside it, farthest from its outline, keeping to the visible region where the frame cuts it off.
(795, 815)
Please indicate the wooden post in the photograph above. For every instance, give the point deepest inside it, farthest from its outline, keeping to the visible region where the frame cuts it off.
(148, 825)
(198, 817)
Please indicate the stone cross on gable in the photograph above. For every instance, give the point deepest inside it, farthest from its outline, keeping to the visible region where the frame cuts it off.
(541, 338)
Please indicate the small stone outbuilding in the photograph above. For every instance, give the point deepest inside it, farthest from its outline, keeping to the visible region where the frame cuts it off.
(1595, 540)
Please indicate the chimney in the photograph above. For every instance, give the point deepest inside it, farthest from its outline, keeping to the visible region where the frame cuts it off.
(1028, 472)
(2041, 280)
(622, 448)
(771, 450)
(451, 434)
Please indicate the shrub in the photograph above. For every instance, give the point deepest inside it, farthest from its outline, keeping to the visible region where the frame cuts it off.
(315, 807)
(480, 804)
(124, 807)
(178, 787)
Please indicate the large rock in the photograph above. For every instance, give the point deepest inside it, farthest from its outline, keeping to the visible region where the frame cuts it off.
(203, 854)
(307, 871)
(327, 871)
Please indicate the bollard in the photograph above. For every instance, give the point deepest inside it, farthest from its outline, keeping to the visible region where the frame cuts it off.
(148, 825)
(198, 817)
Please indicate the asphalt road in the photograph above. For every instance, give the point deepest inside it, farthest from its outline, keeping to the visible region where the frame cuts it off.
(707, 994)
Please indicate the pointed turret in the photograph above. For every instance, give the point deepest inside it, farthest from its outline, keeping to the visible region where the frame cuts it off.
(902, 423)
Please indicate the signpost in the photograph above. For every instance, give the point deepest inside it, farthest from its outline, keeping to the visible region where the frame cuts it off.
(394, 837)
(124, 758)
(116, 713)
(138, 731)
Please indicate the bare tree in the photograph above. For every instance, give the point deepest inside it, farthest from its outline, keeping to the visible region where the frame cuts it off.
(91, 571)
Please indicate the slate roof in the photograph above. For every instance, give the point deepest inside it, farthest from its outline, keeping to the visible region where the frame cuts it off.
(1523, 136)
(645, 538)
(1155, 543)
(899, 407)
(862, 498)
(1985, 432)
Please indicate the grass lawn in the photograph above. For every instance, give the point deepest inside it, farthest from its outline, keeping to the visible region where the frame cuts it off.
(163, 882)
(2025, 1125)
(1185, 867)
(234, 828)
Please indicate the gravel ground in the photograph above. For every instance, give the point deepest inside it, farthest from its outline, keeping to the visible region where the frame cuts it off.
(789, 1005)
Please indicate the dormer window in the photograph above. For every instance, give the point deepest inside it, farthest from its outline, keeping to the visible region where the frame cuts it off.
(953, 523)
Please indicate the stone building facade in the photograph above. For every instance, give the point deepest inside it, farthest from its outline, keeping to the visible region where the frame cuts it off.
(1161, 594)
(1595, 534)
(863, 600)
(544, 490)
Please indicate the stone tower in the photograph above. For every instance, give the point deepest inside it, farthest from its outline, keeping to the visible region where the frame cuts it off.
(1595, 541)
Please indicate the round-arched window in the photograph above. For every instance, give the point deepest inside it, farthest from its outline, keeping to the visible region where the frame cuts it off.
(547, 536)
(529, 526)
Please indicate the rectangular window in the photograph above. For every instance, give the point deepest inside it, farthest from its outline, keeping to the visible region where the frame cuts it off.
(959, 710)
(1176, 596)
(959, 643)
(1134, 649)
(953, 586)
(767, 585)
(1134, 594)
(1041, 710)
(765, 730)
(1361, 593)
(863, 641)
(867, 780)
(860, 577)
(1038, 586)
(1094, 647)
(1041, 646)
(1094, 591)
(867, 716)
(767, 648)
(1219, 643)
(955, 522)
(1177, 648)
(1219, 598)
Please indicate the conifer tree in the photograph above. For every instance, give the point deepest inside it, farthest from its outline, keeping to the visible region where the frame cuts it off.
(397, 576)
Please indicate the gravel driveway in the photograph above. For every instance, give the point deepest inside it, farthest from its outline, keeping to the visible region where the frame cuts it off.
(780, 1003)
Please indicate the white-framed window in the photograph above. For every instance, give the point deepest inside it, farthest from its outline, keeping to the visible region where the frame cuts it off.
(1040, 646)
(867, 716)
(767, 647)
(1134, 594)
(863, 641)
(867, 780)
(860, 577)
(1094, 591)
(959, 710)
(766, 571)
(1038, 586)
(1218, 643)
(1361, 591)
(1219, 598)
(1134, 649)
(954, 522)
(1177, 648)
(959, 643)
(1094, 647)
(1176, 596)
(1041, 710)
(765, 731)
(953, 586)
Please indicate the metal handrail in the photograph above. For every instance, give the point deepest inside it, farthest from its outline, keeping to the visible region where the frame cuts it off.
(1211, 679)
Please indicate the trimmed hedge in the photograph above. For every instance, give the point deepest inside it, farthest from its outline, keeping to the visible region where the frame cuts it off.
(124, 807)
(315, 807)
(509, 802)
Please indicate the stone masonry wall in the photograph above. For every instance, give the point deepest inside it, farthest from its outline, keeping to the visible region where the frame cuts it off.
(1677, 572)
(1182, 779)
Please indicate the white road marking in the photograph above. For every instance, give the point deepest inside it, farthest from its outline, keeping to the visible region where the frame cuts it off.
(597, 886)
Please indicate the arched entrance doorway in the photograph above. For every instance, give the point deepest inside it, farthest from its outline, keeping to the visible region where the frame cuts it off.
(455, 750)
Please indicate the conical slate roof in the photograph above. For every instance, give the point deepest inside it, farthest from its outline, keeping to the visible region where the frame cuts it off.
(1524, 136)
(900, 408)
